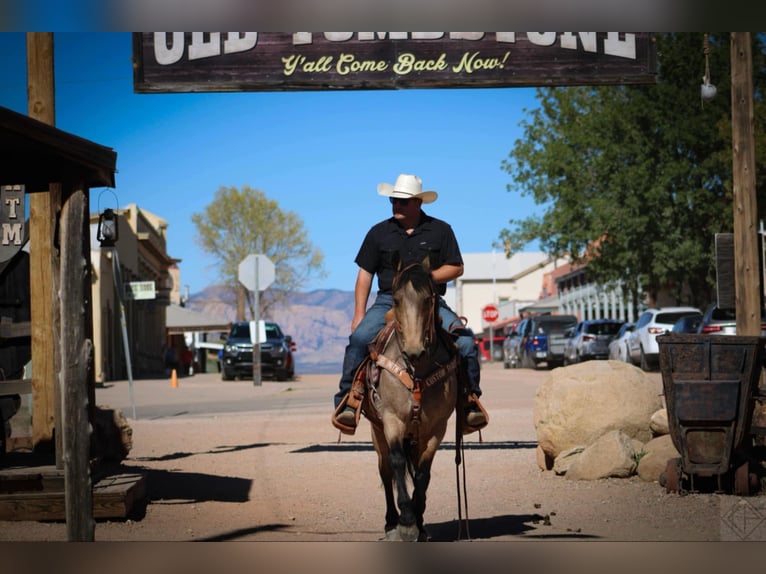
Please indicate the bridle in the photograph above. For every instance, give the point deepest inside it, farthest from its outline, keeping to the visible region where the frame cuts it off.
(429, 338)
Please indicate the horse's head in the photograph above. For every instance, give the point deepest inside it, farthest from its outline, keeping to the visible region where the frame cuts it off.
(414, 310)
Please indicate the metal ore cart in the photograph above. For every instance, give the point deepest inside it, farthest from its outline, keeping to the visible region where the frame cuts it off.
(709, 383)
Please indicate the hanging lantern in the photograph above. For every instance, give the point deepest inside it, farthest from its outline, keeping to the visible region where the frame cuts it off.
(108, 231)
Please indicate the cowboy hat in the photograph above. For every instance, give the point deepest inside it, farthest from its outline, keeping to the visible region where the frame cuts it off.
(407, 186)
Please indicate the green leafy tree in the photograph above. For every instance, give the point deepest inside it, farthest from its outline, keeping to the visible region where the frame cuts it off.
(637, 180)
(240, 222)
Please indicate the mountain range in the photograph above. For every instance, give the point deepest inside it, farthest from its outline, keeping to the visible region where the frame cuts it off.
(319, 322)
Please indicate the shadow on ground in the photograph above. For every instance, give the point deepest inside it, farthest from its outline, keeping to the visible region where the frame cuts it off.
(520, 525)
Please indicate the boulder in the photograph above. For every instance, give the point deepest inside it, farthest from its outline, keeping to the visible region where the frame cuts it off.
(543, 460)
(577, 404)
(659, 422)
(612, 455)
(565, 459)
(655, 458)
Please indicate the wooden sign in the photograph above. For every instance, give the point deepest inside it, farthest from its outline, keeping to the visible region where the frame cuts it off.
(273, 61)
(12, 228)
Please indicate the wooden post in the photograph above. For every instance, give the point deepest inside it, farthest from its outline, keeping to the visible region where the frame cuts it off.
(43, 258)
(747, 275)
(78, 350)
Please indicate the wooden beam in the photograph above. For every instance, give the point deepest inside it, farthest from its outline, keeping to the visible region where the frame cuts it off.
(747, 276)
(78, 350)
(43, 259)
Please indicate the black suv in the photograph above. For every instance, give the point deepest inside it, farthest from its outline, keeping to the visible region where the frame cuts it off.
(276, 353)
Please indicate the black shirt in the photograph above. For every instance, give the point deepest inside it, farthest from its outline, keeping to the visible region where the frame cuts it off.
(431, 237)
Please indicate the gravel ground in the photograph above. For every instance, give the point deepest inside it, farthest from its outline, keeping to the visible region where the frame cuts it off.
(280, 473)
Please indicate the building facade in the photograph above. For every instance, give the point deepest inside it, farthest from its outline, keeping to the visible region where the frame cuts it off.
(511, 284)
(131, 288)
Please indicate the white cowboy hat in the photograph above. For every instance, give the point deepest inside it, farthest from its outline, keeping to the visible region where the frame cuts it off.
(407, 186)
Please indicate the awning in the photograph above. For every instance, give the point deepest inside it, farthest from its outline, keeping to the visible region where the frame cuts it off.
(180, 320)
(547, 305)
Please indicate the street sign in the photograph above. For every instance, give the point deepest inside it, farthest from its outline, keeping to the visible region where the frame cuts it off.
(259, 337)
(490, 313)
(140, 290)
(256, 272)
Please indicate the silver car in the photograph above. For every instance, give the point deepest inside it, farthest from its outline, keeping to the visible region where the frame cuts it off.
(618, 347)
(717, 321)
(590, 339)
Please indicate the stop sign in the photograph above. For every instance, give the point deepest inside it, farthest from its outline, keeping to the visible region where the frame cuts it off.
(256, 272)
(490, 313)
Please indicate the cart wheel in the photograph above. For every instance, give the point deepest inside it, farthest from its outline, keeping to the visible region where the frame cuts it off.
(670, 479)
(742, 480)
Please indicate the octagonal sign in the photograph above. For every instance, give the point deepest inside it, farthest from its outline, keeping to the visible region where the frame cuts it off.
(256, 272)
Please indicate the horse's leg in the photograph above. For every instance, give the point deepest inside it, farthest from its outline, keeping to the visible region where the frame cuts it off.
(408, 528)
(387, 478)
(422, 479)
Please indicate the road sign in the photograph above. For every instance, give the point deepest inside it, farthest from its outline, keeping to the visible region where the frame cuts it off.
(256, 272)
(490, 313)
(139, 290)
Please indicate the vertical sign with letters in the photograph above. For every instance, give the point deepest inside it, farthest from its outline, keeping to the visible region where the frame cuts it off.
(12, 228)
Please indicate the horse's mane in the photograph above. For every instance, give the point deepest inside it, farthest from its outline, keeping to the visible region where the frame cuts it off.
(416, 274)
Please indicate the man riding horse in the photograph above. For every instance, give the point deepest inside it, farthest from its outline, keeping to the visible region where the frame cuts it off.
(409, 236)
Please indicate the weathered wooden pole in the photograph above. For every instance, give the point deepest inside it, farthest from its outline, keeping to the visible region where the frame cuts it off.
(43, 257)
(747, 280)
(76, 351)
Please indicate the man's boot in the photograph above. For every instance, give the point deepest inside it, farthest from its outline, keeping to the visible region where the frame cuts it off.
(476, 418)
(346, 416)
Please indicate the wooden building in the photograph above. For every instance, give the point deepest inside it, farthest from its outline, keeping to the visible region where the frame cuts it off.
(55, 171)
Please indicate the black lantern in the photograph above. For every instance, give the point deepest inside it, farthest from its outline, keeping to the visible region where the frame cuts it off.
(108, 232)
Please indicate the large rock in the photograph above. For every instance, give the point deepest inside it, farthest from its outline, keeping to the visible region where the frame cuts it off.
(576, 405)
(612, 455)
(654, 459)
(659, 422)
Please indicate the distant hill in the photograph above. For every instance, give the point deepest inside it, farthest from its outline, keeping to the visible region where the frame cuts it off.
(319, 322)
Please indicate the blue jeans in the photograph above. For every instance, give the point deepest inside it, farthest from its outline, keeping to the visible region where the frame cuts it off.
(375, 319)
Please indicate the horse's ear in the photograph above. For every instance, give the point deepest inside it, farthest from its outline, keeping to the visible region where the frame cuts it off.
(426, 263)
(396, 261)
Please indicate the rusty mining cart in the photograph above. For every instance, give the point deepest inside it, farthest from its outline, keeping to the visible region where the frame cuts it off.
(710, 384)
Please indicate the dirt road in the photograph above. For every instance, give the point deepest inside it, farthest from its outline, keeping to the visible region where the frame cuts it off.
(280, 474)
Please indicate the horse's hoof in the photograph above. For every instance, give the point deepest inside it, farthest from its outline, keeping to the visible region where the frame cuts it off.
(392, 535)
(409, 533)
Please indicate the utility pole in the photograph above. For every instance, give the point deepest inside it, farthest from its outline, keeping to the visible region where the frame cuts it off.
(44, 207)
(747, 281)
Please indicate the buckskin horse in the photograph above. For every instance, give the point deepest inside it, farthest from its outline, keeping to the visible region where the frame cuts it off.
(410, 396)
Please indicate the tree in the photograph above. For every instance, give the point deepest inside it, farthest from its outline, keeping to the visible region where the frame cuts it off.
(240, 222)
(637, 180)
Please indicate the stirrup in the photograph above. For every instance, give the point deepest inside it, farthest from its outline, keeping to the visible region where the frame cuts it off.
(473, 400)
(347, 401)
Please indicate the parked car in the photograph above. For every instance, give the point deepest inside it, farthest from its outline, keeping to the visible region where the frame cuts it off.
(717, 321)
(541, 340)
(688, 324)
(643, 348)
(490, 349)
(590, 339)
(618, 347)
(510, 350)
(277, 351)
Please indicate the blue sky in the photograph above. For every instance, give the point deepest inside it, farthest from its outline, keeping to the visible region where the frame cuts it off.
(319, 154)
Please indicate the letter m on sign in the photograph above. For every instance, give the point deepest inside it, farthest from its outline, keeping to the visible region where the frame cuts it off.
(12, 231)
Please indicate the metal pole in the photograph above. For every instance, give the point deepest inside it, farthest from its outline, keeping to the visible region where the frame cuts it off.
(123, 325)
(257, 343)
